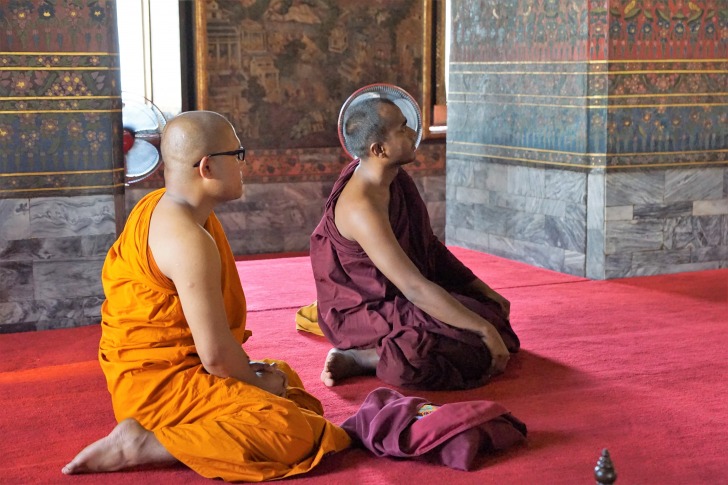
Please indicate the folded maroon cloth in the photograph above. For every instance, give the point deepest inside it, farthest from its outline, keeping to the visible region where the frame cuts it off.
(390, 424)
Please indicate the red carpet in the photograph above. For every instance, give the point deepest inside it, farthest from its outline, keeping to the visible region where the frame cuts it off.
(636, 365)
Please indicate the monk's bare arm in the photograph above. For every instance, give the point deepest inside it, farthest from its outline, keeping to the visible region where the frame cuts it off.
(366, 221)
(479, 286)
(186, 253)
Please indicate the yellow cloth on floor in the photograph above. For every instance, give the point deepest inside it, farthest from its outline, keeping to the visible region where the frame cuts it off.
(307, 319)
(220, 427)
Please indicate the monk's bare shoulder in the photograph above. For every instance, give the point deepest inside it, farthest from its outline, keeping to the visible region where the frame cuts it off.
(174, 232)
(360, 204)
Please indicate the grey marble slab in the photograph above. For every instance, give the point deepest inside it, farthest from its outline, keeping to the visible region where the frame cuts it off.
(72, 216)
(490, 176)
(667, 257)
(709, 254)
(491, 220)
(638, 187)
(527, 181)
(524, 203)
(577, 212)
(18, 249)
(460, 215)
(693, 232)
(595, 254)
(596, 198)
(536, 254)
(710, 207)
(16, 281)
(620, 213)
(656, 269)
(662, 211)
(67, 279)
(566, 233)
(574, 263)
(468, 195)
(630, 236)
(694, 184)
(467, 238)
(527, 227)
(566, 185)
(14, 219)
(460, 173)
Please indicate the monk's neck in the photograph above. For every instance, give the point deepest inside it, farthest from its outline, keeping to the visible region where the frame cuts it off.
(197, 209)
(376, 174)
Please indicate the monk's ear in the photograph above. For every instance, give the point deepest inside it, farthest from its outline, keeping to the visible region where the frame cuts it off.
(205, 167)
(376, 149)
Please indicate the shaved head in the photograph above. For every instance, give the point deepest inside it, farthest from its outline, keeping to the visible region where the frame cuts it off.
(192, 135)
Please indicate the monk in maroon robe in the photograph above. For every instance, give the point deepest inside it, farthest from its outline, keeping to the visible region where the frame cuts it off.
(392, 299)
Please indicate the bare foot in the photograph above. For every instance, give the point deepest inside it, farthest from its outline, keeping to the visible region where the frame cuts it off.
(129, 444)
(341, 364)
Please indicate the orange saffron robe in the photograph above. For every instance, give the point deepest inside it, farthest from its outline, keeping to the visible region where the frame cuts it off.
(219, 427)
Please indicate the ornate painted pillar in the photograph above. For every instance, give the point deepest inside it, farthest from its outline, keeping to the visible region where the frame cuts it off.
(61, 163)
(590, 137)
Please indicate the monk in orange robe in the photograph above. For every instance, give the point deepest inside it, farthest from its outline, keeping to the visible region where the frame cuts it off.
(183, 389)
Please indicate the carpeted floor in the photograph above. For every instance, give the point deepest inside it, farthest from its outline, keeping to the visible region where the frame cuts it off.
(635, 365)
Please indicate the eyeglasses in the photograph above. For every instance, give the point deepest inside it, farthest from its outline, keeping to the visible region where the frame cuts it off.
(240, 153)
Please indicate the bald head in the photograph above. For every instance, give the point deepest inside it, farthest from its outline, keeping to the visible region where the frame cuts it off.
(191, 135)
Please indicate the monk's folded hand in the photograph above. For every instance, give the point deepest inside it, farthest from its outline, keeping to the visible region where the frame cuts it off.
(258, 366)
(501, 300)
(498, 350)
(272, 379)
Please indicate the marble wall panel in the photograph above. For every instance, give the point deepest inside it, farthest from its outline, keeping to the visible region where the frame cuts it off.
(460, 216)
(468, 238)
(549, 207)
(575, 211)
(67, 279)
(656, 269)
(532, 253)
(662, 257)
(574, 262)
(14, 219)
(617, 265)
(490, 176)
(460, 173)
(691, 184)
(566, 233)
(17, 316)
(641, 187)
(565, 185)
(18, 250)
(16, 281)
(527, 227)
(662, 211)
(710, 207)
(468, 195)
(632, 236)
(492, 220)
(72, 216)
(595, 225)
(527, 181)
(620, 213)
(693, 232)
(710, 254)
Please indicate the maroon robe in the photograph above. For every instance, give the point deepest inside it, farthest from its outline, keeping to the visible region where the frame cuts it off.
(359, 308)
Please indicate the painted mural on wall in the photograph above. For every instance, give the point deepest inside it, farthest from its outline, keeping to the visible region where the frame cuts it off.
(59, 97)
(281, 69)
(598, 83)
